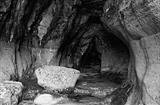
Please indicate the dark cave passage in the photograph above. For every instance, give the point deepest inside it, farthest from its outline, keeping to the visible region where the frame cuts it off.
(108, 57)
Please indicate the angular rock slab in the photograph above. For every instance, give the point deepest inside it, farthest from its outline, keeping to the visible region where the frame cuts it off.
(56, 77)
(10, 91)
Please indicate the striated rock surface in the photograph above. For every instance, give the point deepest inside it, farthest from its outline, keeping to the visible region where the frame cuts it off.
(99, 90)
(43, 56)
(137, 23)
(7, 67)
(151, 45)
(11, 66)
(56, 77)
(10, 91)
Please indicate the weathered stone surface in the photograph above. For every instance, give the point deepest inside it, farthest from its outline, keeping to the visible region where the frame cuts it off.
(147, 62)
(6, 61)
(140, 60)
(24, 61)
(48, 99)
(140, 67)
(139, 20)
(99, 90)
(46, 21)
(148, 99)
(43, 56)
(151, 45)
(155, 8)
(9, 63)
(56, 77)
(136, 18)
(10, 91)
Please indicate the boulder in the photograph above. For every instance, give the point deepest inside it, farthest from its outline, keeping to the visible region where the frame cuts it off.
(48, 99)
(56, 77)
(10, 91)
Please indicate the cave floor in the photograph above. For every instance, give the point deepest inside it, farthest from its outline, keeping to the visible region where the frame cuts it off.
(90, 88)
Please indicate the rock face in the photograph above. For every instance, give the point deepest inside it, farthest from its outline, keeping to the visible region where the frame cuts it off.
(138, 22)
(43, 56)
(151, 45)
(6, 61)
(10, 91)
(56, 77)
(12, 66)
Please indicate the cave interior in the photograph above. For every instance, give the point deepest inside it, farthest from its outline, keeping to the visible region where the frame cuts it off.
(67, 33)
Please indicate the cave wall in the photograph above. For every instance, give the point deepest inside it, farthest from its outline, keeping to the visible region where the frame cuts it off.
(138, 21)
(13, 63)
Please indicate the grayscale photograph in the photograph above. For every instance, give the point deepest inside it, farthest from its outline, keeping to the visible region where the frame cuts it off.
(79, 52)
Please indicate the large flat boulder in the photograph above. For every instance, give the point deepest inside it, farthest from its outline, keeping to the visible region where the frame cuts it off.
(56, 77)
(10, 91)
